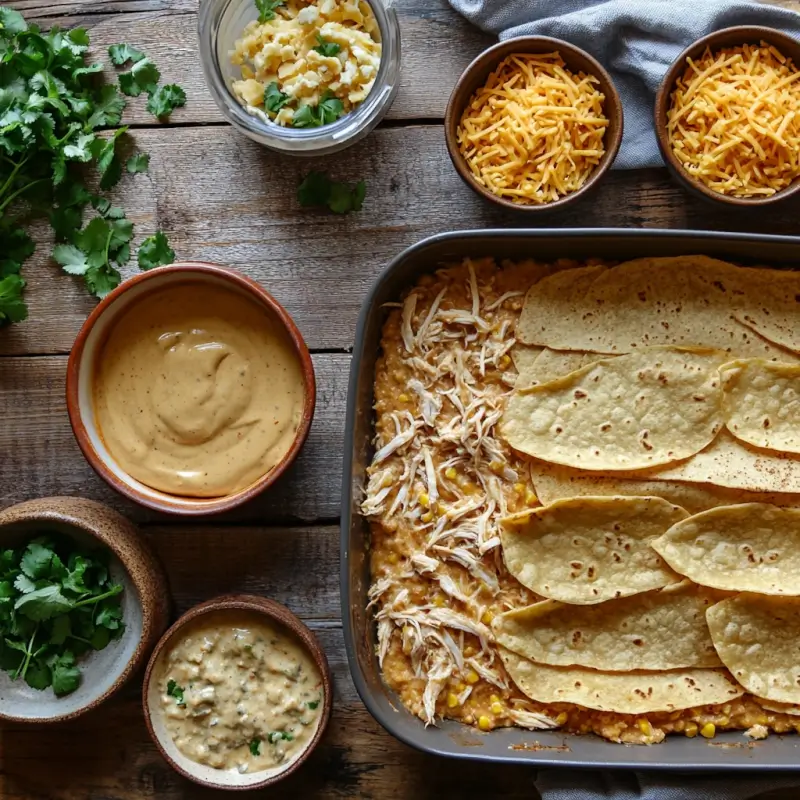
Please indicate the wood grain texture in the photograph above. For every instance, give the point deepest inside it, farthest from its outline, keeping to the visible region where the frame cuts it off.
(40, 456)
(108, 753)
(318, 264)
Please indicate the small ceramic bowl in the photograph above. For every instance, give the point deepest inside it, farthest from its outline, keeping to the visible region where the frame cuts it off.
(151, 694)
(145, 603)
(577, 60)
(727, 37)
(80, 379)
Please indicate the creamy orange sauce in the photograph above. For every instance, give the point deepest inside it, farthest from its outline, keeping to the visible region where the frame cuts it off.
(197, 391)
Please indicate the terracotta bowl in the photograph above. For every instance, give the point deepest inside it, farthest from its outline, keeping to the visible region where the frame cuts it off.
(80, 377)
(727, 37)
(475, 75)
(145, 604)
(151, 696)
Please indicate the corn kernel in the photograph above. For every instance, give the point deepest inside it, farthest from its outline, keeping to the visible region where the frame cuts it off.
(645, 727)
(427, 517)
(452, 700)
(723, 721)
(487, 617)
(469, 650)
(496, 466)
(472, 677)
(460, 687)
(691, 729)
(424, 500)
(484, 723)
(679, 726)
(519, 488)
(497, 709)
(441, 509)
(493, 698)
(392, 558)
(440, 601)
(450, 473)
(403, 398)
(504, 361)
(386, 480)
(531, 498)
(762, 720)
(562, 718)
(708, 730)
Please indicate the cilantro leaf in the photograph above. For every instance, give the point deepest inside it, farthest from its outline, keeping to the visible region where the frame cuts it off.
(266, 9)
(66, 676)
(317, 189)
(36, 560)
(155, 251)
(11, 22)
(255, 746)
(328, 110)
(108, 107)
(274, 98)
(173, 690)
(139, 162)
(43, 603)
(143, 77)
(120, 53)
(313, 705)
(326, 48)
(12, 306)
(72, 259)
(165, 99)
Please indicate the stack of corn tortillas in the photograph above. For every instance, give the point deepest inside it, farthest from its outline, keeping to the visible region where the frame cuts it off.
(659, 403)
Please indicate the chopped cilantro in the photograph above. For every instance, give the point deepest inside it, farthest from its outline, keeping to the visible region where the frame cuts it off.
(274, 98)
(313, 705)
(173, 690)
(266, 9)
(255, 745)
(326, 48)
(317, 189)
(120, 53)
(328, 110)
(155, 252)
(143, 77)
(165, 99)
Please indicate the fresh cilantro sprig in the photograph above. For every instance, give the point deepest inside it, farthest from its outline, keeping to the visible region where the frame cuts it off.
(266, 9)
(173, 690)
(326, 48)
(57, 602)
(328, 110)
(317, 189)
(52, 107)
(155, 251)
(274, 98)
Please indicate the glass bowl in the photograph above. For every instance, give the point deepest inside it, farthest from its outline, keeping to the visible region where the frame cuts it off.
(220, 24)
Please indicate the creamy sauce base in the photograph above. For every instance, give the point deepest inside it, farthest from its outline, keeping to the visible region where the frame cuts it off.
(197, 390)
(249, 695)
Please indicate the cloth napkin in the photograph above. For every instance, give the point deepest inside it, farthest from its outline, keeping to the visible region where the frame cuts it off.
(590, 785)
(635, 40)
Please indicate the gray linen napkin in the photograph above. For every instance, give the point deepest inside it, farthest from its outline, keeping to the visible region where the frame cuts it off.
(589, 785)
(635, 40)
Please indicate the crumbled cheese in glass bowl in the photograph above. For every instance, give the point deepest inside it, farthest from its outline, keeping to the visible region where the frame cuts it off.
(313, 78)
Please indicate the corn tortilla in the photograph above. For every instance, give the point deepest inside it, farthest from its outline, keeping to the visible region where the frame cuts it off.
(762, 403)
(758, 639)
(644, 409)
(659, 630)
(636, 692)
(590, 549)
(683, 301)
(753, 547)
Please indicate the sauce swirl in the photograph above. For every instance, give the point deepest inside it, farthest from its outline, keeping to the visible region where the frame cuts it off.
(198, 391)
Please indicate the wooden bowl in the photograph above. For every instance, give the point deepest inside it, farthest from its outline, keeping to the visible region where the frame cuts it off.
(145, 604)
(727, 37)
(475, 75)
(151, 695)
(80, 378)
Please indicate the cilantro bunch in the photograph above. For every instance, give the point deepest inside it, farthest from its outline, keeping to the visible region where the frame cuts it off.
(53, 111)
(57, 602)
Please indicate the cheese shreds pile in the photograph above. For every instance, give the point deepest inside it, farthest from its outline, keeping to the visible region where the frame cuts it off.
(534, 132)
(734, 122)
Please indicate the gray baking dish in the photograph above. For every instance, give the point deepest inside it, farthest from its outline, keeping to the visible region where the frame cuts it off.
(729, 751)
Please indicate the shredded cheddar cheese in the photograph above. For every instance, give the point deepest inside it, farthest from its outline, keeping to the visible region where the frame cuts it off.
(734, 120)
(534, 132)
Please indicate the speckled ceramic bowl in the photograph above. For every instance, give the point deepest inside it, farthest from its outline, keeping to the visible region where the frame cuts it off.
(80, 387)
(151, 696)
(145, 603)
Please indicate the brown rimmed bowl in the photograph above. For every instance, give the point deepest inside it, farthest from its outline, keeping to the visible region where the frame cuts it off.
(475, 76)
(80, 380)
(145, 603)
(727, 37)
(151, 696)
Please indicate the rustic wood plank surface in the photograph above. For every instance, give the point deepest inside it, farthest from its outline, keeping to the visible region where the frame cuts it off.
(219, 197)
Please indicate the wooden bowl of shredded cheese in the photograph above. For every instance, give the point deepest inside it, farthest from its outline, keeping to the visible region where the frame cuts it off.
(533, 123)
(727, 116)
